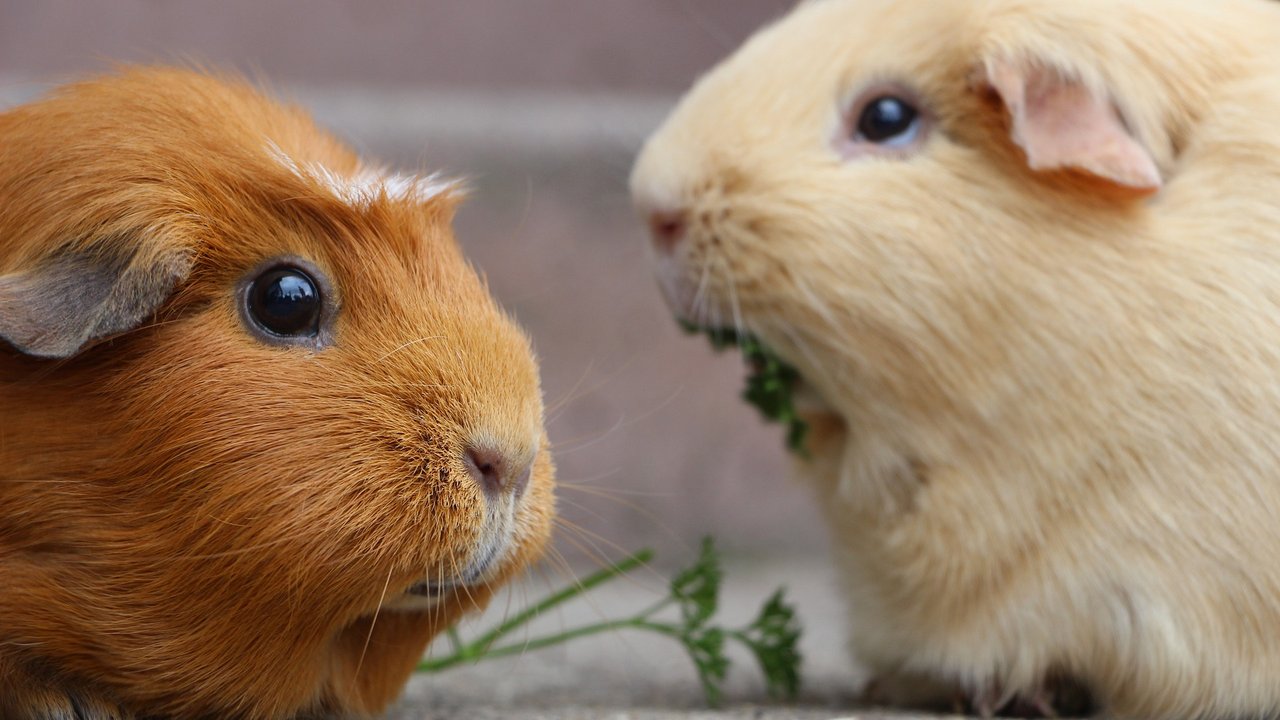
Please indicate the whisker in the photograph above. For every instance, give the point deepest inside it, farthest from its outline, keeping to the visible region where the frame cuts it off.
(440, 574)
(555, 407)
(639, 510)
(466, 588)
(401, 384)
(557, 561)
(585, 540)
(621, 423)
(698, 307)
(561, 564)
(602, 382)
(735, 307)
(610, 493)
(409, 344)
(372, 624)
(573, 534)
(590, 602)
(584, 595)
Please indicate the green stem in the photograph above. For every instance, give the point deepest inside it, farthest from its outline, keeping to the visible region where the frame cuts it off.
(481, 645)
(547, 641)
(655, 608)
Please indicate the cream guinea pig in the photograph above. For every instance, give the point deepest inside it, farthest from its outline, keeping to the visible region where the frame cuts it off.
(1025, 255)
(263, 432)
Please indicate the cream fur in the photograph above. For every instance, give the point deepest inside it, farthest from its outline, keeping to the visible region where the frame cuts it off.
(1049, 408)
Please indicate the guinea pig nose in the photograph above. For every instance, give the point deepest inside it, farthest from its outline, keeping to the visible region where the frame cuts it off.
(667, 228)
(495, 472)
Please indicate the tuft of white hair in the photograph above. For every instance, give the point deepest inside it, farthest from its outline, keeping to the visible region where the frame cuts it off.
(368, 184)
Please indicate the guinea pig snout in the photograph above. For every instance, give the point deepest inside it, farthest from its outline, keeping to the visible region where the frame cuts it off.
(497, 472)
(667, 228)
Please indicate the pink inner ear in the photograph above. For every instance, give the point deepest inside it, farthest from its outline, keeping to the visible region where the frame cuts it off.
(1061, 124)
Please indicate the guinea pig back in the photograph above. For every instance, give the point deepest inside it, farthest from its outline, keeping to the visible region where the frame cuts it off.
(263, 432)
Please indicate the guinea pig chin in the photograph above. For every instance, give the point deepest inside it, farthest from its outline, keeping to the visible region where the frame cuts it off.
(697, 285)
(680, 293)
(695, 236)
(496, 539)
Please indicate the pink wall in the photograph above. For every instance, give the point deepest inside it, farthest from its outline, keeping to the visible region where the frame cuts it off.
(596, 44)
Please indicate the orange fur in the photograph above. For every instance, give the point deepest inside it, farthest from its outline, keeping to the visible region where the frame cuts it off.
(194, 522)
(1046, 403)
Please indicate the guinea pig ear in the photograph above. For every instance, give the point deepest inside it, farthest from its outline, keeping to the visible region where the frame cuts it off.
(1060, 122)
(66, 300)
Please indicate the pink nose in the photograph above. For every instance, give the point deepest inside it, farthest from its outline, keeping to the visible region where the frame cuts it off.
(667, 229)
(496, 473)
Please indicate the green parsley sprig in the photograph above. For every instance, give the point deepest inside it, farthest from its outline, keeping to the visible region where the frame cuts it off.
(694, 596)
(769, 383)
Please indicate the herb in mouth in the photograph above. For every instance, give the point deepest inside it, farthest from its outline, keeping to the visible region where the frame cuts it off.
(769, 384)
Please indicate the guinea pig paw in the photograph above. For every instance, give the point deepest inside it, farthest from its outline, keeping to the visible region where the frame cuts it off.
(983, 702)
(1053, 697)
(57, 704)
(991, 699)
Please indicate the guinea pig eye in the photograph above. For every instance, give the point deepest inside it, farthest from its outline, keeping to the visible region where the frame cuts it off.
(888, 120)
(285, 301)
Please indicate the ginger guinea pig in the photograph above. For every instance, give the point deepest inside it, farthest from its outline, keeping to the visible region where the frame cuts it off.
(1025, 255)
(263, 432)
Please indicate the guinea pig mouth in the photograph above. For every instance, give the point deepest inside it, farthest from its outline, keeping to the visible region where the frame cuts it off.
(771, 382)
(474, 574)
(432, 590)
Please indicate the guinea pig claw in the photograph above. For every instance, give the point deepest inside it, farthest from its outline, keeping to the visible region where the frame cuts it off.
(985, 701)
(1043, 704)
(1038, 702)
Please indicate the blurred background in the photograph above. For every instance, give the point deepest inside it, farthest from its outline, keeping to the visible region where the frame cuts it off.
(542, 105)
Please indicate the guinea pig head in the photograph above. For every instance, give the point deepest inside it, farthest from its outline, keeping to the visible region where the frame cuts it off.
(265, 432)
(894, 195)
